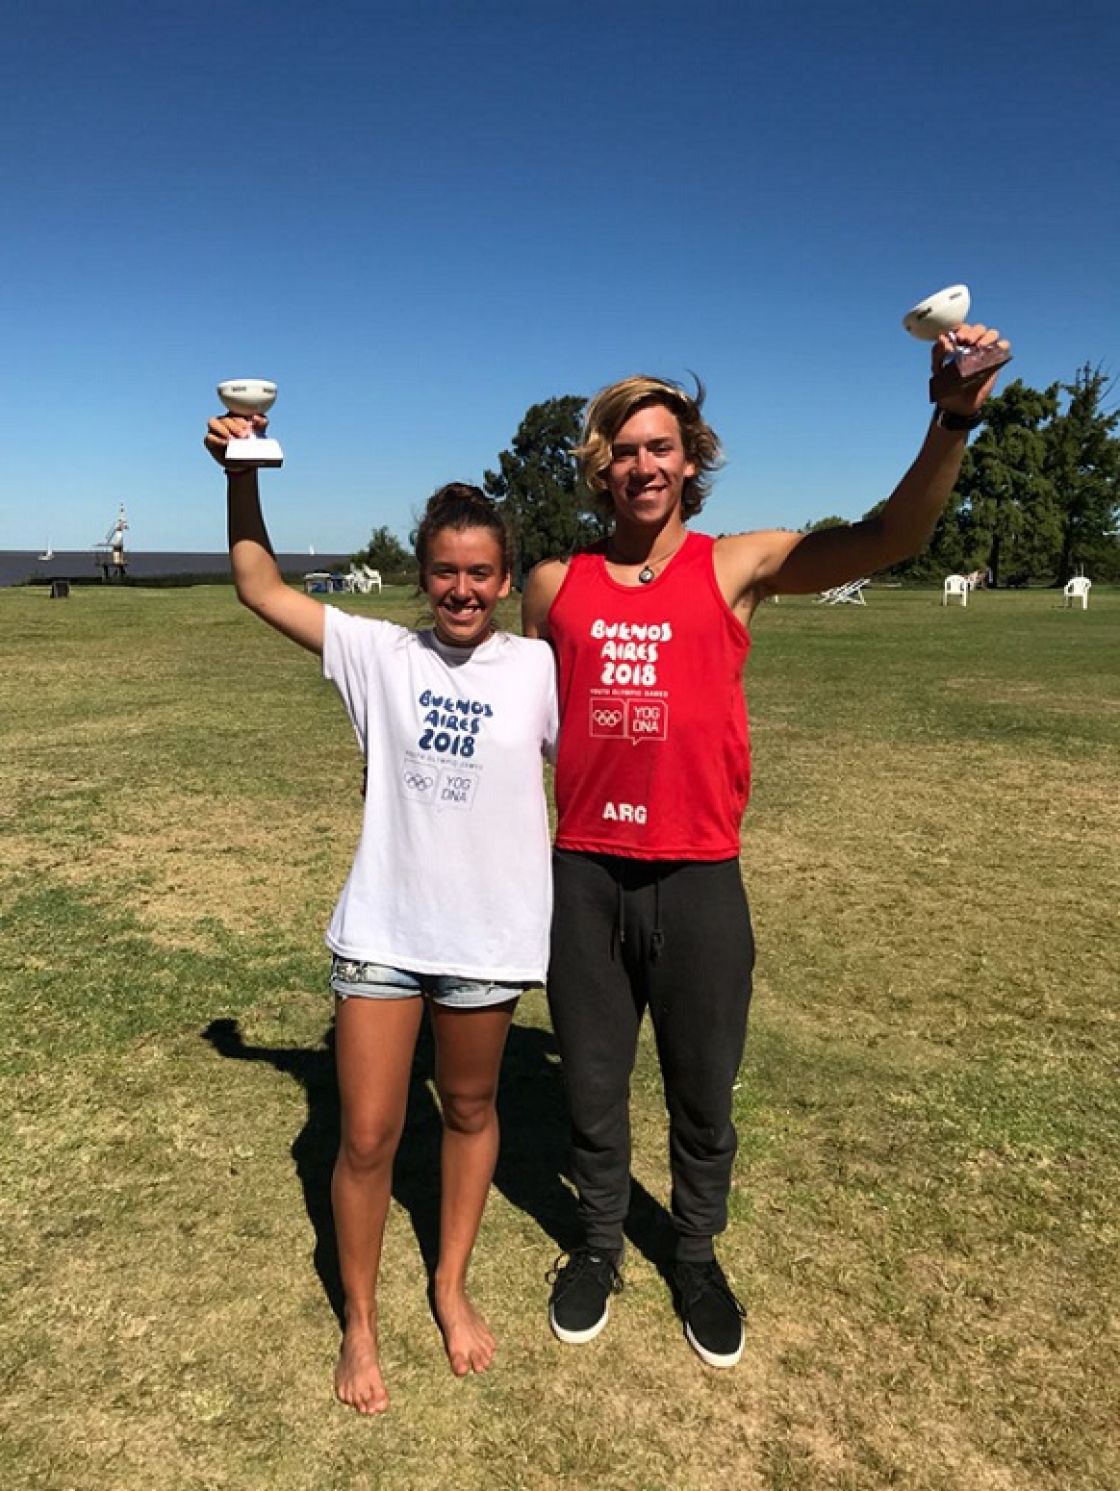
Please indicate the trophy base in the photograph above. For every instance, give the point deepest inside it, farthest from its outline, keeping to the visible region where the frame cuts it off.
(971, 365)
(253, 452)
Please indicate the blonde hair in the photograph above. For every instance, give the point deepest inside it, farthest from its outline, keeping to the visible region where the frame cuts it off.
(609, 410)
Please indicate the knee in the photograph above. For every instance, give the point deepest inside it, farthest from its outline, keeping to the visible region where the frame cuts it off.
(467, 1112)
(703, 1112)
(703, 1130)
(596, 1095)
(369, 1145)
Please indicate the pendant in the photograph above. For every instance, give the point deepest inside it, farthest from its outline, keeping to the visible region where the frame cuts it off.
(645, 575)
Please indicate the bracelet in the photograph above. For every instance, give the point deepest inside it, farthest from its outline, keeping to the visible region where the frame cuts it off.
(945, 419)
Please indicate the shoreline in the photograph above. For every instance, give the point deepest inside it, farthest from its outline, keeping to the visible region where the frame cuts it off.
(80, 566)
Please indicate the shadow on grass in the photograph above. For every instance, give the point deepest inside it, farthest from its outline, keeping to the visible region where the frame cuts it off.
(531, 1169)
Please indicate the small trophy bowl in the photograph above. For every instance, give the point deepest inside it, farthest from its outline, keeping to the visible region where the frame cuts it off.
(246, 397)
(940, 315)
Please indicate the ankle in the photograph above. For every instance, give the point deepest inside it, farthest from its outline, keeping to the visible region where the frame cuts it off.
(449, 1282)
(614, 1251)
(699, 1250)
(359, 1320)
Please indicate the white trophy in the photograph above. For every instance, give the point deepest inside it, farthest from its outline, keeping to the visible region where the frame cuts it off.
(249, 396)
(943, 313)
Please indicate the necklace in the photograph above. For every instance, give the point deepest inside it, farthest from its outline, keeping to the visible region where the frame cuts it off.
(649, 570)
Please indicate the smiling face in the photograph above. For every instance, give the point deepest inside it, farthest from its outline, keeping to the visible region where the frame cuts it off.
(464, 579)
(648, 467)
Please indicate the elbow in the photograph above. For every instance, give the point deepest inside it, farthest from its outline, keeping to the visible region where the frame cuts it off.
(254, 597)
(897, 544)
(246, 594)
(882, 542)
(893, 554)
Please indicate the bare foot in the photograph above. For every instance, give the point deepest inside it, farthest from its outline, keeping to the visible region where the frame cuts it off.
(466, 1336)
(357, 1378)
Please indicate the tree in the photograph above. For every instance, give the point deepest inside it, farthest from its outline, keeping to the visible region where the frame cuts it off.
(386, 553)
(1039, 491)
(549, 510)
(832, 521)
(1001, 516)
(1012, 516)
(1083, 466)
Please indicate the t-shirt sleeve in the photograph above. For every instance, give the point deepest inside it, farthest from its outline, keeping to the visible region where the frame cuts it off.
(349, 660)
(551, 707)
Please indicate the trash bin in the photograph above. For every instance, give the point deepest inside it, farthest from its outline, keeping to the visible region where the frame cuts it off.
(60, 590)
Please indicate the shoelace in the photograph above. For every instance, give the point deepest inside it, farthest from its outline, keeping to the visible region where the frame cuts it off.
(581, 1261)
(695, 1279)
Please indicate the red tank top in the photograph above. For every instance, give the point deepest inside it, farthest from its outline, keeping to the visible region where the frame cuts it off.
(654, 756)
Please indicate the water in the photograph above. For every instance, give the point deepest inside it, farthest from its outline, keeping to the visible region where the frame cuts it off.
(18, 565)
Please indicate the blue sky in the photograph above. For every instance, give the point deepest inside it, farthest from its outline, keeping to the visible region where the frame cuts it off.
(420, 218)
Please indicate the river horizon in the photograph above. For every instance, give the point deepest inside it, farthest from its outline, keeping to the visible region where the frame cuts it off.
(23, 566)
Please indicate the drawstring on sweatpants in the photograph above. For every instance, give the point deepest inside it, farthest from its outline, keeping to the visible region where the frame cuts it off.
(619, 936)
(657, 936)
(618, 931)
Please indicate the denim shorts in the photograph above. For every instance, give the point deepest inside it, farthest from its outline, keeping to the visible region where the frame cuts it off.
(354, 980)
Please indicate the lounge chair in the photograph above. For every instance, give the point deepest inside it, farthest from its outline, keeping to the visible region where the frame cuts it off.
(850, 594)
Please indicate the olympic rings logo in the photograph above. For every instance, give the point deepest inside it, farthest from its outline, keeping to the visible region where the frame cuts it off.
(415, 781)
(608, 717)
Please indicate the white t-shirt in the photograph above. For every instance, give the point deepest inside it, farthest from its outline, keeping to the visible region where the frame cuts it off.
(452, 871)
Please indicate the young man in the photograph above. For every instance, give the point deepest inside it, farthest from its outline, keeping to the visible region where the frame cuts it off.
(650, 634)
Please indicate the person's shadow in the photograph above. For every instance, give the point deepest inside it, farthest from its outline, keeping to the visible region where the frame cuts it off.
(532, 1165)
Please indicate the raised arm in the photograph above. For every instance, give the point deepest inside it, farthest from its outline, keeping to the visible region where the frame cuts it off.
(754, 565)
(256, 574)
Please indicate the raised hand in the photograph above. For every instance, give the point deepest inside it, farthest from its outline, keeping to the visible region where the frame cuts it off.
(226, 427)
(968, 397)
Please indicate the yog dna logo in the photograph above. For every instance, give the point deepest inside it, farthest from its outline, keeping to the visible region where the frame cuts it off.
(635, 720)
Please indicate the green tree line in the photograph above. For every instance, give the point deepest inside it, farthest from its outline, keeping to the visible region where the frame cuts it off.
(1038, 498)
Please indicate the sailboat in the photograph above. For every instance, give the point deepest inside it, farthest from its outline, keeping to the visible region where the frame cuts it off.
(48, 552)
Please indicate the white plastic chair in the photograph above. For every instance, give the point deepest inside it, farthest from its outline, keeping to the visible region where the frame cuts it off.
(373, 576)
(357, 582)
(1077, 589)
(955, 585)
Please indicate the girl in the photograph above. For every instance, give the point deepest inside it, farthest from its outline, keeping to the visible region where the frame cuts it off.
(448, 900)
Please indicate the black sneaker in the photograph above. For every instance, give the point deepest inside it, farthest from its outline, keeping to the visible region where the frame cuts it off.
(713, 1317)
(580, 1301)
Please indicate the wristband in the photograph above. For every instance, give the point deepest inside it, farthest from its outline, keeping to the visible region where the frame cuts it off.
(945, 419)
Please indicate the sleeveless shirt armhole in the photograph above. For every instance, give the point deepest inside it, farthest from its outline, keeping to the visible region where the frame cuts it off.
(740, 627)
(573, 560)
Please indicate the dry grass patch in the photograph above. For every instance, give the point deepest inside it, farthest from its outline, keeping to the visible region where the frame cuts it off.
(916, 880)
(923, 1218)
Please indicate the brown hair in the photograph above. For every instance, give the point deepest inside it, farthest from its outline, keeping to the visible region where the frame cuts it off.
(612, 407)
(460, 506)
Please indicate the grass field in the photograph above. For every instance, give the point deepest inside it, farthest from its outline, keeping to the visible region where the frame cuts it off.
(925, 1215)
